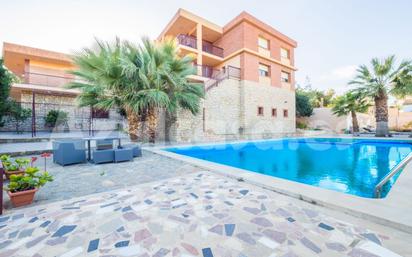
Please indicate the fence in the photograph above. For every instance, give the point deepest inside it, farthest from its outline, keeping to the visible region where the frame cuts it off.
(78, 119)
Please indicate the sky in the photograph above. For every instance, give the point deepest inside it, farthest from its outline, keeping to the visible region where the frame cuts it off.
(334, 37)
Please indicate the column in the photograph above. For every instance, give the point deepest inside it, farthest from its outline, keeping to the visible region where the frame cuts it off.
(199, 48)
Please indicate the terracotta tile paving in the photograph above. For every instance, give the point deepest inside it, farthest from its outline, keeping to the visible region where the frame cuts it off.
(199, 214)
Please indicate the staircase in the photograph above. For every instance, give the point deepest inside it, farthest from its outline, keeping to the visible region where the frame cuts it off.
(225, 73)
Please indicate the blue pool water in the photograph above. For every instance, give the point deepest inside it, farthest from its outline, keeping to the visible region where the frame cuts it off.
(352, 166)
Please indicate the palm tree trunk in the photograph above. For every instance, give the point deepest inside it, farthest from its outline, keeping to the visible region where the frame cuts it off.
(152, 120)
(381, 114)
(355, 124)
(133, 122)
(170, 120)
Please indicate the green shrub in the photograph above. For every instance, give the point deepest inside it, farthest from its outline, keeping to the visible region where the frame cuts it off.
(28, 181)
(55, 118)
(301, 125)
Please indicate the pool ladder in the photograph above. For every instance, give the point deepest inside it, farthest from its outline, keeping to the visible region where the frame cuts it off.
(393, 172)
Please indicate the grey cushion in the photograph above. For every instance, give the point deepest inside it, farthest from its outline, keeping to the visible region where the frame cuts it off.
(137, 151)
(123, 154)
(102, 156)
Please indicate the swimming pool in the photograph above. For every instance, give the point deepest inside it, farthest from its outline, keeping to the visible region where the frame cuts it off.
(352, 166)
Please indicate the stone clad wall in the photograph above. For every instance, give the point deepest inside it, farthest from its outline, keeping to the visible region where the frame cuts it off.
(230, 112)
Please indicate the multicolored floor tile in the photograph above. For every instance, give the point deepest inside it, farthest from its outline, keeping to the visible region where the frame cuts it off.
(199, 214)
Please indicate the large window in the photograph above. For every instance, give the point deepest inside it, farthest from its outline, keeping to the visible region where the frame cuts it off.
(263, 43)
(284, 53)
(263, 70)
(285, 76)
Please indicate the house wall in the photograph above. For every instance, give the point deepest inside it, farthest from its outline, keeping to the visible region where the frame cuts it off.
(230, 112)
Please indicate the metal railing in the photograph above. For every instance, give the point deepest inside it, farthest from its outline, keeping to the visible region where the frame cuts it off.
(205, 71)
(212, 49)
(393, 172)
(187, 40)
(208, 47)
(226, 73)
(47, 79)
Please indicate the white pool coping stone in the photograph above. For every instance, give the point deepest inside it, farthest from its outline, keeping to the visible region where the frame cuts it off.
(394, 210)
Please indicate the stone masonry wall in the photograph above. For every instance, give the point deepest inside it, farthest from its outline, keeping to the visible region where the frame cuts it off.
(230, 112)
(78, 118)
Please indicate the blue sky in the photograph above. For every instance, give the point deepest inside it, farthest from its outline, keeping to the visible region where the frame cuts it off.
(333, 36)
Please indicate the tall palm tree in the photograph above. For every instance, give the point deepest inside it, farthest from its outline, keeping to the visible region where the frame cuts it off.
(350, 103)
(182, 93)
(103, 84)
(147, 66)
(383, 78)
(164, 78)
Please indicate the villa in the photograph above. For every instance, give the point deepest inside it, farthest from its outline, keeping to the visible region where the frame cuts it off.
(251, 167)
(247, 68)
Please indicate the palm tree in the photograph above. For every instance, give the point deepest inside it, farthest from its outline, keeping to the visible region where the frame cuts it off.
(182, 93)
(103, 84)
(350, 103)
(164, 78)
(381, 80)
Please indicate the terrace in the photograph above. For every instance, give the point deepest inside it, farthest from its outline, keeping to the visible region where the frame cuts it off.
(153, 198)
(207, 47)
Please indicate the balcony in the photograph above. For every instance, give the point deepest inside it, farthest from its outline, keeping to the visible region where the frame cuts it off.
(206, 71)
(211, 49)
(47, 79)
(207, 47)
(187, 41)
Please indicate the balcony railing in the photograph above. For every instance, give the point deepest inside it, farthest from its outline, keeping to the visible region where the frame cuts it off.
(206, 71)
(46, 79)
(208, 47)
(212, 49)
(187, 40)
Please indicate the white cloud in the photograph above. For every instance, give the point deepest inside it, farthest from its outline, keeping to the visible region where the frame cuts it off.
(341, 73)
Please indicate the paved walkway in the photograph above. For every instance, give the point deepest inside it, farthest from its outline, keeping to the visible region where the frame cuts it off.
(84, 179)
(199, 214)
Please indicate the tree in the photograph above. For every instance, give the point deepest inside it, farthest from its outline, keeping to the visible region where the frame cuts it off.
(383, 78)
(164, 79)
(6, 79)
(182, 93)
(350, 103)
(139, 79)
(303, 106)
(17, 113)
(103, 83)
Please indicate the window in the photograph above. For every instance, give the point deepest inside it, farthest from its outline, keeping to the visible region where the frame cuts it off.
(263, 43)
(274, 112)
(285, 76)
(284, 53)
(263, 70)
(260, 111)
(285, 113)
(100, 114)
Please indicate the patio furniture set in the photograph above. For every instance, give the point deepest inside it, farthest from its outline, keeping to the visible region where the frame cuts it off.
(73, 151)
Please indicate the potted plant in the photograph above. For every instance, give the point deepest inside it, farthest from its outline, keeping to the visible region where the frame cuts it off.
(22, 187)
(18, 167)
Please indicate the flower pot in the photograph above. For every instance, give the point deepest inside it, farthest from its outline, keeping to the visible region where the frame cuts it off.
(22, 198)
(15, 172)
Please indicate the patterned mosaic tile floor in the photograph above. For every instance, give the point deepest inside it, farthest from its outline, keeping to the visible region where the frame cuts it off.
(199, 214)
